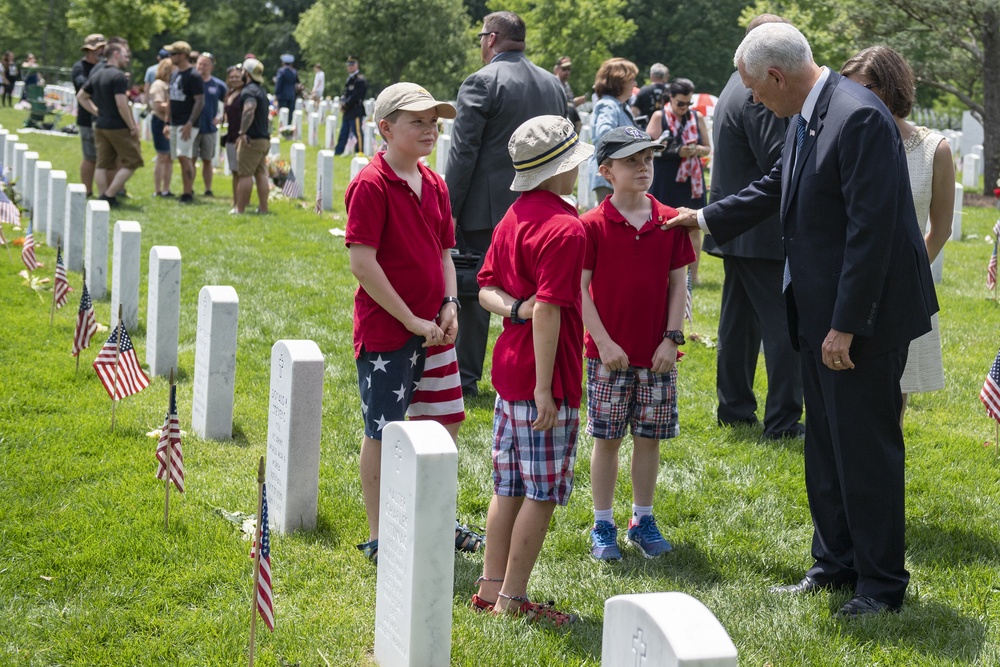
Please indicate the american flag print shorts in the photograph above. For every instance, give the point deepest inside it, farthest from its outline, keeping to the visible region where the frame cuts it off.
(533, 464)
(386, 381)
(438, 394)
(635, 397)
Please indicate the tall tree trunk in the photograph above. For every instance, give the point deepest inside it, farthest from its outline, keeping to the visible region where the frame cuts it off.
(991, 97)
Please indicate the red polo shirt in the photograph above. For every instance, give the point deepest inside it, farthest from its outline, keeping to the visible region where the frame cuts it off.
(409, 234)
(631, 278)
(538, 249)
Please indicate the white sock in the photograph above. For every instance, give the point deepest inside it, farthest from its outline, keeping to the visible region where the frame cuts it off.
(604, 515)
(639, 512)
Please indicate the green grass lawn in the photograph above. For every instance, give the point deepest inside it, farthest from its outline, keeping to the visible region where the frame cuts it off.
(89, 577)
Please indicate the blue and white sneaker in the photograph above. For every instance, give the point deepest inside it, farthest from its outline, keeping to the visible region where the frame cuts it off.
(604, 541)
(647, 537)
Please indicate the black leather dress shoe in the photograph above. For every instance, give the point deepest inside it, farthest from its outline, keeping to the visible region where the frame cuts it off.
(793, 432)
(807, 585)
(861, 605)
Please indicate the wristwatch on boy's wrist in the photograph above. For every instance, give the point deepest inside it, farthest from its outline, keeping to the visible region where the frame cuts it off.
(454, 300)
(513, 312)
(675, 335)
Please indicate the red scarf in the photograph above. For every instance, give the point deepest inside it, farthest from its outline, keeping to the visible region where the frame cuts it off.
(690, 166)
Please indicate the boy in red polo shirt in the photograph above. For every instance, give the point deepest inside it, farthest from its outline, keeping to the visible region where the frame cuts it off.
(400, 235)
(633, 307)
(531, 276)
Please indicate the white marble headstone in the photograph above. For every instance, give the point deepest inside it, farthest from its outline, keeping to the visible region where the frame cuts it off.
(416, 555)
(125, 273)
(275, 149)
(9, 141)
(75, 226)
(662, 630)
(215, 363)
(979, 151)
(17, 165)
(294, 424)
(313, 129)
(956, 221)
(330, 139)
(298, 165)
(441, 156)
(369, 138)
(40, 200)
(55, 203)
(297, 124)
(971, 134)
(324, 178)
(163, 309)
(283, 117)
(358, 163)
(970, 170)
(28, 187)
(95, 251)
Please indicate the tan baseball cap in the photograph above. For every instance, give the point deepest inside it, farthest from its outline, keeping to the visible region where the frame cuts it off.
(178, 47)
(255, 69)
(93, 42)
(409, 97)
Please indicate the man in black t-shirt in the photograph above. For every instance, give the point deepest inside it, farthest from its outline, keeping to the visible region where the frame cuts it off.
(651, 97)
(116, 135)
(187, 97)
(254, 140)
(93, 50)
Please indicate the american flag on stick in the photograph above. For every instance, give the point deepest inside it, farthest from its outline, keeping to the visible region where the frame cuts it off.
(8, 210)
(991, 269)
(28, 251)
(170, 439)
(86, 323)
(292, 187)
(990, 394)
(118, 366)
(62, 288)
(262, 562)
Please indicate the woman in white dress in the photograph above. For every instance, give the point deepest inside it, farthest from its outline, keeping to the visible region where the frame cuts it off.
(932, 180)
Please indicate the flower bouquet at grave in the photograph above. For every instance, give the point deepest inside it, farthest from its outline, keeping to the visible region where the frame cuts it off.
(277, 171)
(287, 132)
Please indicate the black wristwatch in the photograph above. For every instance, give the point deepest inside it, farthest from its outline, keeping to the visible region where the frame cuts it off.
(454, 300)
(513, 312)
(675, 335)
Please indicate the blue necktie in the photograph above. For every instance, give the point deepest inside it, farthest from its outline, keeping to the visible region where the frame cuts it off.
(800, 138)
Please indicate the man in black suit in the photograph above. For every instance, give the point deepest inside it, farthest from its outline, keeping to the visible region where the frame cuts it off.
(491, 103)
(748, 138)
(858, 290)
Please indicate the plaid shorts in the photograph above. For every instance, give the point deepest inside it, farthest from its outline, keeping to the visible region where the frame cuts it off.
(533, 464)
(386, 381)
(636, 398)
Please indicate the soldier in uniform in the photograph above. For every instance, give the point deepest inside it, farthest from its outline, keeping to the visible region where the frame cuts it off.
(352, 105)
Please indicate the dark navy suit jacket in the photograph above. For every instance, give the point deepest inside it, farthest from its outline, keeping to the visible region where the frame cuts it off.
(857, 259)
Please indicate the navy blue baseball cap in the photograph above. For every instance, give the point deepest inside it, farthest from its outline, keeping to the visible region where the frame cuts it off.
(622, 142)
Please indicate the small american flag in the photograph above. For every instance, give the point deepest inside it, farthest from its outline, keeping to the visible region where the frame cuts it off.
(62, 288)
(292, 187)
(131, 379)
(990, 395)
(319, 195)
(689, 301)
(265, 601)
(170, 438)
(28, 251)
(86, 323)
(991, 269)
(8, 210)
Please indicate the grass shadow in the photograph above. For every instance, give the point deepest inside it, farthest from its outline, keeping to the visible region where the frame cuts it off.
(933, 544)
(239, 436)
(956, 638)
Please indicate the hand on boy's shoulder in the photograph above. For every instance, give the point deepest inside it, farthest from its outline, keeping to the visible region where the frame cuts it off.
(686, 217)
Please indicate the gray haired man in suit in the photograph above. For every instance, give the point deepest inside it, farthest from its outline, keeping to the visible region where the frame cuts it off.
(748, 139)
(491, 104)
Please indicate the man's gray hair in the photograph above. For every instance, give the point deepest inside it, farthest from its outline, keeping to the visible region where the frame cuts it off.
(659, 72)
(778, 45)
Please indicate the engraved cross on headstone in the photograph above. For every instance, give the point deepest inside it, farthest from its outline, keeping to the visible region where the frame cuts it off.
(281, 365)
(399, 457)
(637, 646)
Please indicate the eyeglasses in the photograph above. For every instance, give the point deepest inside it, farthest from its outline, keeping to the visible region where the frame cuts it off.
(682, 104)
(869, 86)
(480, 36)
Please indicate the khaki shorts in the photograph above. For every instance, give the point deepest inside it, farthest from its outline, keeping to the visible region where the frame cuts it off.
(117, 148)
(252, 157)
(206, 146)
(180, 147)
